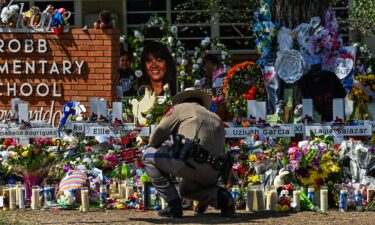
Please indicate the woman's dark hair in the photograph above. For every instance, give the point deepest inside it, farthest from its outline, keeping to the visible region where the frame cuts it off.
(159, 50)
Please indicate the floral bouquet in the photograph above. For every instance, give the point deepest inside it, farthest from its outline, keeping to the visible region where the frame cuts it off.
(31, 162)
(313, 163)
(363, 92)
(243, 82)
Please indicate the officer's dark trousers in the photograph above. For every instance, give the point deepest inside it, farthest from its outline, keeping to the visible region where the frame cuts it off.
(197, 184)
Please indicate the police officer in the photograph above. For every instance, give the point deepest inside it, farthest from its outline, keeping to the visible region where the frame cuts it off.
(190, 117)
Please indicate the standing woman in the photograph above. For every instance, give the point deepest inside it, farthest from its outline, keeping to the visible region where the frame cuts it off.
(158, 68)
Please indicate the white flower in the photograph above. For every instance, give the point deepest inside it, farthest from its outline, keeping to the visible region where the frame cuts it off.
(184, 62)
(195, 66)
(173, 55)
(170, 39)
(223, 57)
(200, 60)
(205, 41)
(174, 29)
(178, 43)
(134, 54)
(137, 34)
(179, 60)
(182, 73)
(138, 73)
(122, 39)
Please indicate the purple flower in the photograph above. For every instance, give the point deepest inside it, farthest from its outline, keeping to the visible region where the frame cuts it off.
(67, 168)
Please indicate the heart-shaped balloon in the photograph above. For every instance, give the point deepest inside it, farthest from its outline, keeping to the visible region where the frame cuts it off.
(343, 67)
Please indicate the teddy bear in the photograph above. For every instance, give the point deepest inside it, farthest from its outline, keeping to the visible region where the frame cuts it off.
(9, 16)
(34, 11)
(104, 21)
(284, 201)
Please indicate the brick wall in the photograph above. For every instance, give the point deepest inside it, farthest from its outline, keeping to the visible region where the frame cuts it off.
(99, 49)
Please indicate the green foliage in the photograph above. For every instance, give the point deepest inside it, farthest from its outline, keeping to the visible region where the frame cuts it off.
(362, 17)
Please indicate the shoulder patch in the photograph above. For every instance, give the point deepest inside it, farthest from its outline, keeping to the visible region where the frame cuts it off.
(168, 111)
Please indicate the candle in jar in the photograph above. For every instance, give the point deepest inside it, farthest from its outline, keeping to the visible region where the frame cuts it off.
(12, 197)
(129, 192)
(122, 190)
(6, 198)
(250, 200)
(260, 199)
(18, 185)
(85, 199)
(21, 197)
(297, 200)
(358, 200)
(35, 198)
(311, 194)
(271, 200)
(343, 204)
(324, 199)
(370, 195)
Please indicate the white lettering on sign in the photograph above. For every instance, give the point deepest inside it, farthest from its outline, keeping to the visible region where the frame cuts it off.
(29, 133)
(340, 132)
(31, 67)
(106, 131)
(277, 131)
(26, 89)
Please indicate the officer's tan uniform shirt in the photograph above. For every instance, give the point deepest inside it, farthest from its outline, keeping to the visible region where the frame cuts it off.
(185, 119)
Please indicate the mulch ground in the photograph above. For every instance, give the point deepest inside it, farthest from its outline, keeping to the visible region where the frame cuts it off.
(113, 217)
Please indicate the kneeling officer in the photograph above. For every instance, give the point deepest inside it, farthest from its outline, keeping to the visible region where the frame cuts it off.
(197, 155)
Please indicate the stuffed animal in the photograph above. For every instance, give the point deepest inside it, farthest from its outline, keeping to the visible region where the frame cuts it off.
(285, 193)
(104, 21)
(34, 11)
(279, 179)
(9, 16)
(59, 20)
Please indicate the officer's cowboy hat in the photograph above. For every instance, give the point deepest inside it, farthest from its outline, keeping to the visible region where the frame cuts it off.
(193, 93)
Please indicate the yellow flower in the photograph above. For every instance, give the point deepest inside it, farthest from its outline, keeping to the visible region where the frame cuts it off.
(252, 158)
(253, 179)
(25, 153)
(335, 168)
(51, 155)
(5, 165)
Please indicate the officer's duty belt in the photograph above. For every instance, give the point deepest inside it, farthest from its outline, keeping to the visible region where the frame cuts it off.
(205, 156)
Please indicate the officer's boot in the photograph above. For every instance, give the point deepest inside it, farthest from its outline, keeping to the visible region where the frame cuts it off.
(227, 203)
(174, 209)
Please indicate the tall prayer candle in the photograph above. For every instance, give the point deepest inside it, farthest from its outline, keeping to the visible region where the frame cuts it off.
(35, 197)
(324, 199)
(128, 192)
(21, 197)
(260, 199)
(12, 197)
(343, 204)
(370, 195)
(358, 200)
(250, 200)
(297, 200)
(122, 190)
(311, 194)
(85, 199)
(271, 200)
(6, 198)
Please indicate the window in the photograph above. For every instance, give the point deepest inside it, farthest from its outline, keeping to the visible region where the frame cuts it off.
(194, 22)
